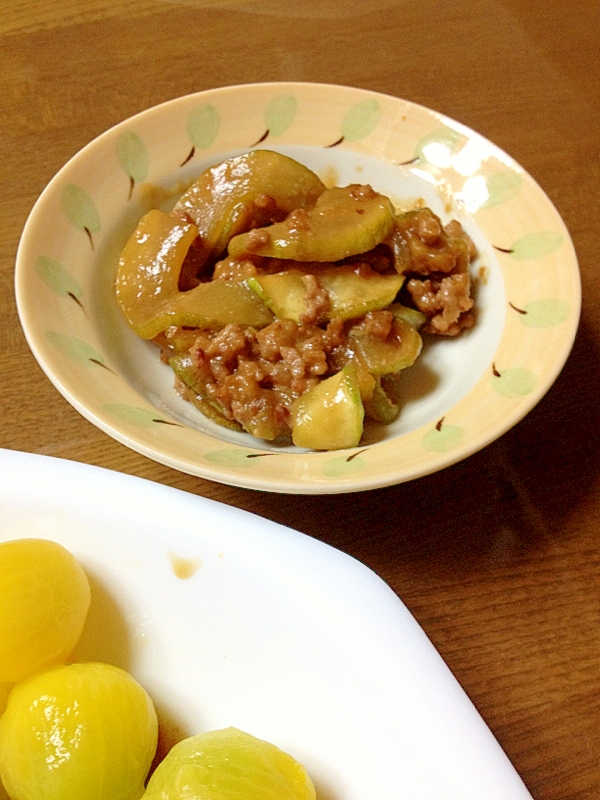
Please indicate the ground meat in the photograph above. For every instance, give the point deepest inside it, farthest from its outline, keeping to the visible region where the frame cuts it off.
(362, 191)
(316, 300)
(429, 228)
(281, 333)
(446, 303)
(234, 269)
(255, 376)
(456, 230)
(226, 344)
(257, 238)
(249, 379)
(378, 323)
(175, 340)
(298, 221)
(431, 248)
(380, 259)
(438, 282)
(266, 204)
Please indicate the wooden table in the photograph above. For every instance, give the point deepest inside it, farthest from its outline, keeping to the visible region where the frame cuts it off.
(498, 557)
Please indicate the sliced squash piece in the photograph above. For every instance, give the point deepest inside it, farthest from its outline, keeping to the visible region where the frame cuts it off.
(400, 250)
(214, 305)
(385, 356)
(329, 416)
(245, 192)
(415, 318)
(345, 221)
(147, 283)
(195, 392)
(283, 293)
(380, 407)
(351, 294)
(209, 410)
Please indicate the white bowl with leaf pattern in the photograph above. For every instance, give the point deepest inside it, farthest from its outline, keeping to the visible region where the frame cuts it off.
(462, 394)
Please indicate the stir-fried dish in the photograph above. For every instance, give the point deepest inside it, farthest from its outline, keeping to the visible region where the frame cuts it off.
(288, 309)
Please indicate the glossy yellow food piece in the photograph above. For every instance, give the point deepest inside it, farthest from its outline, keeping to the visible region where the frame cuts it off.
(80, 732)
(379, 406)
(147, 283)
(4, 692)
(245, 192)
(44, 601)
(330, 416)
(345, 221)
(350, 294)
(216, 304)
(229, 765)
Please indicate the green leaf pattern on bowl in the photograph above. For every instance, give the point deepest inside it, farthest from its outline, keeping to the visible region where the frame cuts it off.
(280, 113)
(341, 467)
(360, 120)
(132, 156)
(57, 277)
(513, 382)
(80, 209)
(444, 137)
(545, 313)
(501, 188)
(231, 458)
(75, 350)
(203, 125)
(536, 245)
(443, 438)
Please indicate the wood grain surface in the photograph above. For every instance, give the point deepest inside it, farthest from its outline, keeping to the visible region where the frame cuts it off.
(498, 557)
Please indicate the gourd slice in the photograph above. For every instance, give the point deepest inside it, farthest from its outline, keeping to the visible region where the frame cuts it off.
(245, 192)
(147, 283)
(196, 393)
(345, 221)
(350, 293)
(329, 416)
(380, 407)
(386, 356)
(410, 315)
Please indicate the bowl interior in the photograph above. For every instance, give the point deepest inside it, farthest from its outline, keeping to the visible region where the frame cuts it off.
(446, 371)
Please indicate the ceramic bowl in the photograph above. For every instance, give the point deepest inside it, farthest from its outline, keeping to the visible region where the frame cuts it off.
(462, 393)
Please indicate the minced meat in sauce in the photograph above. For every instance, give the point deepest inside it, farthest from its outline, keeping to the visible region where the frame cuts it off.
(438, 279)
(255, 375)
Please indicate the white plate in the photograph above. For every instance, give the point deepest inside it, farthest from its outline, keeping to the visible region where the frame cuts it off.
(274, 632)
(461, 394)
